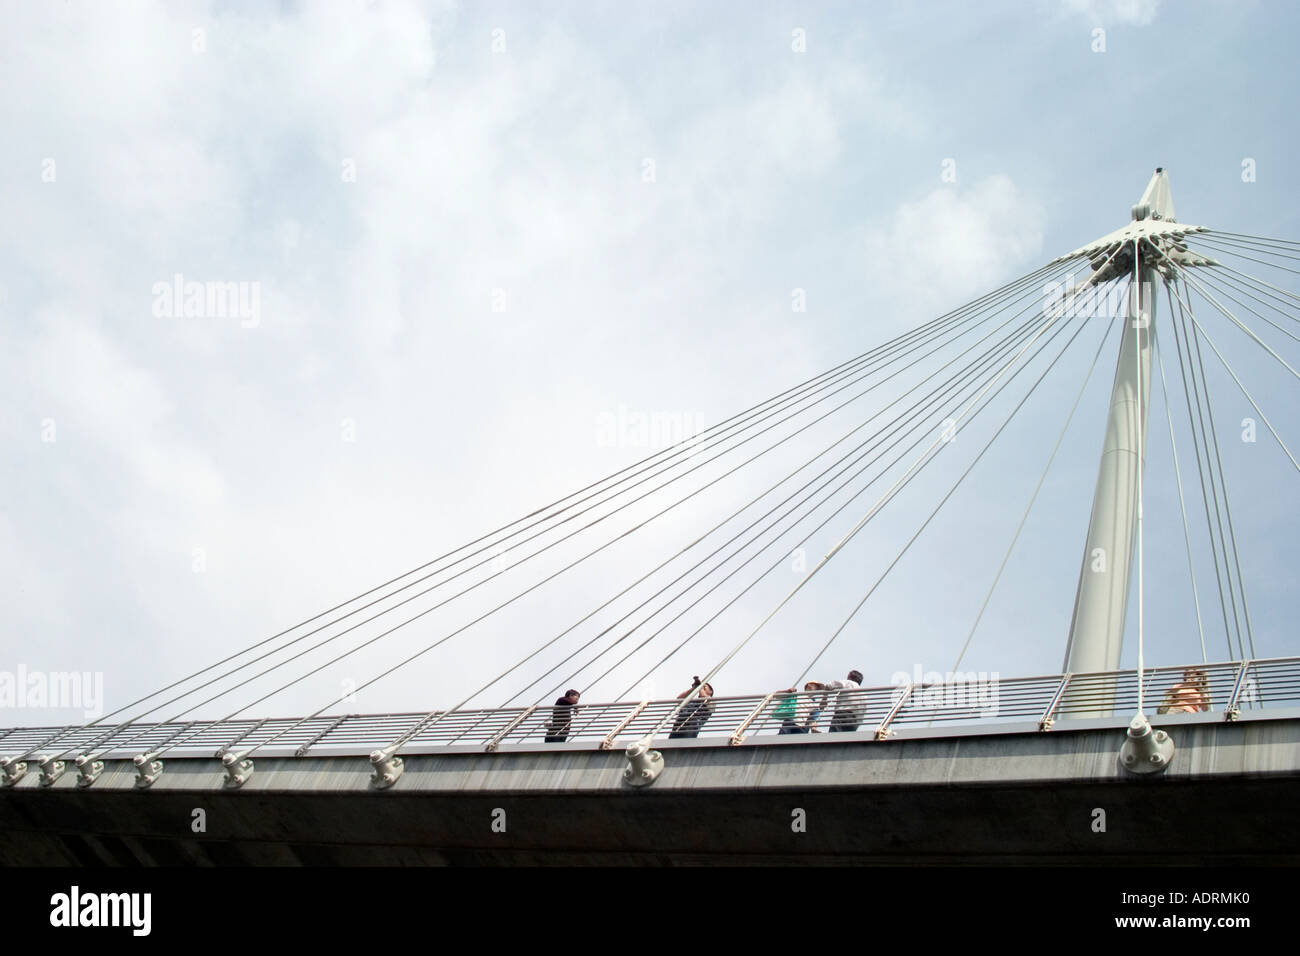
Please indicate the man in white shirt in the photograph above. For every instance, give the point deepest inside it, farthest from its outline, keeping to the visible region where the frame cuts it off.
(850, 707)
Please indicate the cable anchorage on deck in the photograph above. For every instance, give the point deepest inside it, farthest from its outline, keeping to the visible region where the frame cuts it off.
(387, 768)
(644, 764)
(1145, 750)
(88, 770)
(147, 770)
(238, 769)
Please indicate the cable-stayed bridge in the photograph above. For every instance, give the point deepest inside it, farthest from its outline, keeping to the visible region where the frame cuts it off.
(1015, 768)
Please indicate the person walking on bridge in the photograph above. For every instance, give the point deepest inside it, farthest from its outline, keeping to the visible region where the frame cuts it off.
(557, 730)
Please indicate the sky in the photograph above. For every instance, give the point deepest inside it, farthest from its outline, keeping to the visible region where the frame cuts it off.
(471, 243)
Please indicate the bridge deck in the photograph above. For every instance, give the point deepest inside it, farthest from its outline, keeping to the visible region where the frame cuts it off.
(1228, 796)
(1024, 781)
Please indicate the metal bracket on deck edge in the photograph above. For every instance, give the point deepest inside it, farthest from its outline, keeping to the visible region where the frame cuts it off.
(238, 770)
(88, 770)
(51, 770)
(14, 770)
(146, 770)
(644, 764)
(387, 769)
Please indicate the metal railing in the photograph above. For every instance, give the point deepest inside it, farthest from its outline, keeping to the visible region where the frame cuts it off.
(1223, 691)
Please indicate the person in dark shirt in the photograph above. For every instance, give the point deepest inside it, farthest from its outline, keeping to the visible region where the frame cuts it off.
(557, 731)
(694, 715)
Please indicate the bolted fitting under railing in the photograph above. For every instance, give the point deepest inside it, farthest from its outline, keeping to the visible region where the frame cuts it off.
(14, 770)
(1145, 750)
(88, 770)
(51, 770)
(387, 769)
(147, 770)
(238, 769)
(644, 764)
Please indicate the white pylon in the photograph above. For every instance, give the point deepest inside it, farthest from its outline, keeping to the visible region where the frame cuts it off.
(1096, 637)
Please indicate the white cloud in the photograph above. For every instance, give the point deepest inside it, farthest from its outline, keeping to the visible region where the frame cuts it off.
(953, 244)
(520, 173)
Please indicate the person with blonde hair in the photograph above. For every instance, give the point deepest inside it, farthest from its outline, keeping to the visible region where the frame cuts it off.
(1190, 696)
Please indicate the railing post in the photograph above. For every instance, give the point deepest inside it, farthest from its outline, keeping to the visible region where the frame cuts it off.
(738, 735)
(608, 742)
(483, 716)
(883, 731)
(1045, 722)
(1232, 711)
(147, 769)
(495, 742)
(225, 748)
(302, 751)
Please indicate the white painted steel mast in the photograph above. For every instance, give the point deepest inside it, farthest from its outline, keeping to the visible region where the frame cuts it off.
(1101, 601)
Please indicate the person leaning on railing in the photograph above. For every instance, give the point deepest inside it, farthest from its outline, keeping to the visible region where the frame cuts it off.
(799, 716)
(787, 711)
(848, 708)
(1190, 696)
(557, 730)
(811, 708)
